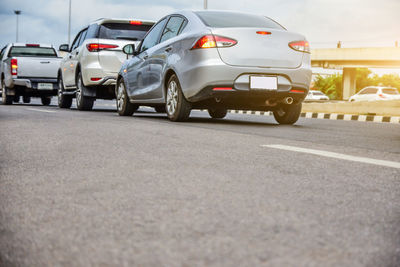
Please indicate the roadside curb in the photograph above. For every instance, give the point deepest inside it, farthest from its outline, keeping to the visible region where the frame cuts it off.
(329, 116)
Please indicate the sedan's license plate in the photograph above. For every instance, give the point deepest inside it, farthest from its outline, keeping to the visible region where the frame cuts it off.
(263, 83)
(45, 86)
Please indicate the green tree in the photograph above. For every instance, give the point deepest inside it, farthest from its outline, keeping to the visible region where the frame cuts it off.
(330, 85)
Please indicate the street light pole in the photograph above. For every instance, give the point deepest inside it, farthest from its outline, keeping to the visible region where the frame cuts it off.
(205, 4)
(69, 23)
(17, 12)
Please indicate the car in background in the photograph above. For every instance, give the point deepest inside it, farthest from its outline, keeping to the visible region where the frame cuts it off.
(316, 96)
(90, 68)
(216, 60)
(376, 93)
(28, 70)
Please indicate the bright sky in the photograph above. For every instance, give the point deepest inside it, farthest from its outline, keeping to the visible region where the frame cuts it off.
(324, 22)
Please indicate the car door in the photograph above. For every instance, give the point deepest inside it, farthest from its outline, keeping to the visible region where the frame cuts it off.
(69, 65)
(159, 55)
(138, 66)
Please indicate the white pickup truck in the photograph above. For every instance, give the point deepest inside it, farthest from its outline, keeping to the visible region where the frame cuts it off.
(28, 70)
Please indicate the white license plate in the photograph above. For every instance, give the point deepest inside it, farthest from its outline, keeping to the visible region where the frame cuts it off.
(264, 82)
(45, 86)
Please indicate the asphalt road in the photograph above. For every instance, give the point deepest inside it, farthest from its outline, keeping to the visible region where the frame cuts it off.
(95, 189)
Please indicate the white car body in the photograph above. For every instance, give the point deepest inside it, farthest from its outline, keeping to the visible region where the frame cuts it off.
(316, 96)
(376, 93)
(98, 66)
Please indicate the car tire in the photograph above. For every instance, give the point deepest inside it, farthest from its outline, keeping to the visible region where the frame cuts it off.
(26, 99)
(160, 109)
(82, 102)
(46, 100)
(16, 99)
(288, 114)
(217, 113)
(176, 105)
(6, 99)
(64, 101)
(124, 106)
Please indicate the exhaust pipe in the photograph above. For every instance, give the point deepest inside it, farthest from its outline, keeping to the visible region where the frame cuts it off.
(288, 100)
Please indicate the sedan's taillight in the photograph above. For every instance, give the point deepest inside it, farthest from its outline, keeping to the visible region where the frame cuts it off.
(212, 41)
(301, 46)
(382, 96)
(14, 66)
(97, 47)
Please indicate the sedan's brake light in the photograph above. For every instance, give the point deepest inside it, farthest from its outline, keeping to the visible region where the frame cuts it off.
(301, 46)
(32, 45)
(212, 41)
(93, 47)
(263, 33)
(14, 66)
(135, 22)
(382, 96)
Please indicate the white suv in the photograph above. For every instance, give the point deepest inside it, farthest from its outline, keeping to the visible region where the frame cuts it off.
(90, 68)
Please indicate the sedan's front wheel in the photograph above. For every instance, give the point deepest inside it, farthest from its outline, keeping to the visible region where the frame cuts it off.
(124, 106)
(177, 107)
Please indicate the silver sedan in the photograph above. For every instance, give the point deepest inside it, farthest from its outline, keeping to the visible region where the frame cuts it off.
(216, 60)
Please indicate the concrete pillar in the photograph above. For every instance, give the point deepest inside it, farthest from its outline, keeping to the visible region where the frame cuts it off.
(349, 82)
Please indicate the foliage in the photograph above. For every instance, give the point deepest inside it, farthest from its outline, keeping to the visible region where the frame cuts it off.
(332, 85)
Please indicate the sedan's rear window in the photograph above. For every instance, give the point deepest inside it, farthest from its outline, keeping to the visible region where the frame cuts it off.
(368, 91)
(317, 93)
(24, 51)
(123, 31)
(390, 91)
(220, 19)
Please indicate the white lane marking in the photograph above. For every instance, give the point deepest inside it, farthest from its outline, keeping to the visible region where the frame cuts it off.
(41, 110)
(328, 154)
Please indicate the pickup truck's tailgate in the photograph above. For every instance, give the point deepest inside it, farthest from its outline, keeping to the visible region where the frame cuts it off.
(38, 67)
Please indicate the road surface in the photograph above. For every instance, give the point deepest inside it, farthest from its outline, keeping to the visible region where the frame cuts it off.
(95, 189)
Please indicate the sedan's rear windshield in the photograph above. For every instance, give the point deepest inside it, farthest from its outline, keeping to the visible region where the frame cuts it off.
(220, 19)
(25, 51)
(317, 93)
(123, 31)
(390, 91)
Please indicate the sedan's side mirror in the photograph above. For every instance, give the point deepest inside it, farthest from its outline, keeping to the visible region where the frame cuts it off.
(129, 49)
(64, 48)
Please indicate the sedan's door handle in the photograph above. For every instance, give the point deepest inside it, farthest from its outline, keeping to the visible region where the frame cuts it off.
(168, 49)
(145, 57)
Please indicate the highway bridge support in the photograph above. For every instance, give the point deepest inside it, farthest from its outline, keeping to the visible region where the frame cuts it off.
(349, 82)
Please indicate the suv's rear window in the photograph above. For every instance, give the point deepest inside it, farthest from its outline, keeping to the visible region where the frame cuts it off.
(390, 91)
(23, 51)
(218, 19)
(123, 31)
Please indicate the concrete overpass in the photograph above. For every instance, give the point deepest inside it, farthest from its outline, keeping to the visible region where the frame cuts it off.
(349, 59)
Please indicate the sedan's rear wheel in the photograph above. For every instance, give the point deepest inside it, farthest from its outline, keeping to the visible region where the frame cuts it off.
(16, 99)
(82, 102)
(177, 107)
(288, 114)
(64, 101)
(217, 113)
(124, 106)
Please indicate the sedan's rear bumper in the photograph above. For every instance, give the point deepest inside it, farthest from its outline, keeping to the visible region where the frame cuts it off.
(214, 73)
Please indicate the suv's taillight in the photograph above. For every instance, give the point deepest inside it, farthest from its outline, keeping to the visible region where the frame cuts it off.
(97, 47)
(212, 41)
(14, 66)
(301, 46)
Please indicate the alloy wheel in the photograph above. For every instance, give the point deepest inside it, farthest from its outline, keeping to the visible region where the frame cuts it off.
(120, 96)
(79, 90)
(172, 97)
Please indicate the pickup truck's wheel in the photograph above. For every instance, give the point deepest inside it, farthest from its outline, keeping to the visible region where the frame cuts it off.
(16, 98)
(46, 100)
(6, 99)
(26, 99)
(82, 102)
(64, 101)
(177, 107)
(124, 106)
(288, 114)
(217, 113)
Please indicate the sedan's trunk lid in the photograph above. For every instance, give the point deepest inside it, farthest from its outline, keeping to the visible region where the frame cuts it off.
(269, 50)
